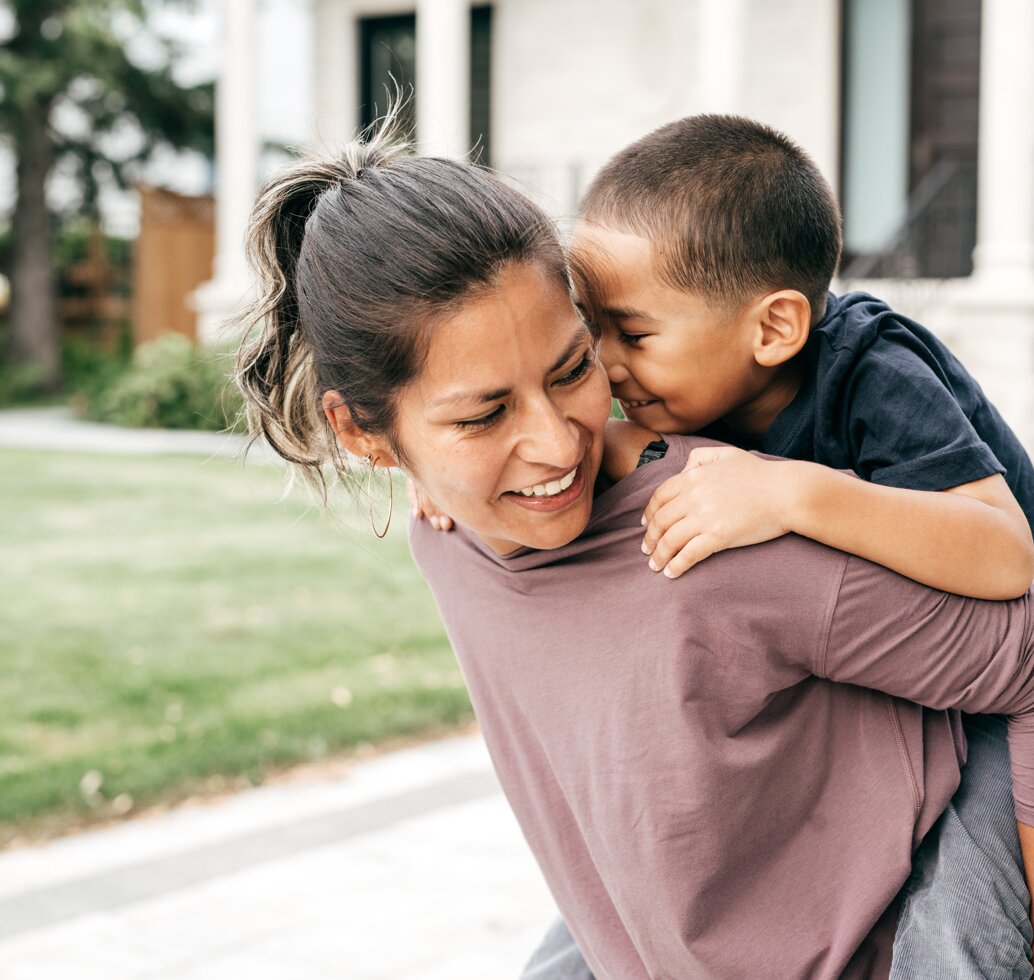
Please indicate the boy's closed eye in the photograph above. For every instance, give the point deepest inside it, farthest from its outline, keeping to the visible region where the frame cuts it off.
(630, 339)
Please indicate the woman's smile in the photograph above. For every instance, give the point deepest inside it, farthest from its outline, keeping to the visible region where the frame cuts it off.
(552, 496)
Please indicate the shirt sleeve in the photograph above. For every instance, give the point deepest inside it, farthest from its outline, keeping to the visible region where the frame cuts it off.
(906, 427)
(891, 634)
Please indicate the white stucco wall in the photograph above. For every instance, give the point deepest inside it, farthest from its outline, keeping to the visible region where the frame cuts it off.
(792, 74)
(575, 81)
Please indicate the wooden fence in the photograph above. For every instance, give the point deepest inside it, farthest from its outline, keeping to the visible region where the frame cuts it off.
(173, 256)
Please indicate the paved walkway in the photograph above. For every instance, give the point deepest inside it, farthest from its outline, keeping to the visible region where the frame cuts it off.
(58, 429)
(407, 867)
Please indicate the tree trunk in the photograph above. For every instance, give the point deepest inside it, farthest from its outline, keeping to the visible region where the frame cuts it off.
(34, 340)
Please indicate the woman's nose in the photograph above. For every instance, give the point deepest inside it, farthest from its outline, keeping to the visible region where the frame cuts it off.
(549, 436)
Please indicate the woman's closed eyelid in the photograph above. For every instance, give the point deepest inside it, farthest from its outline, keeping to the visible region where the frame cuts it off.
(578, 371)
(575, 374)
(481, 423)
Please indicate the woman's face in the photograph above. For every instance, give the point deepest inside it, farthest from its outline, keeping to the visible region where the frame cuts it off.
(503, 428)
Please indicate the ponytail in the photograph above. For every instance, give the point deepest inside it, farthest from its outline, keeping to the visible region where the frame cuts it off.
(275, 371)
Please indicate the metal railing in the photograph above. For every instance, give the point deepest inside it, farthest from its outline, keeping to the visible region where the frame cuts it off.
(937, 236)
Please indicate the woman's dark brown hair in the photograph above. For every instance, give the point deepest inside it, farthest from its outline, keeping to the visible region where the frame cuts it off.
(356, 257)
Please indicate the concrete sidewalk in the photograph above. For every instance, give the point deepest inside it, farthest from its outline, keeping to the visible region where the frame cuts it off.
(408, 867)
(58, 429)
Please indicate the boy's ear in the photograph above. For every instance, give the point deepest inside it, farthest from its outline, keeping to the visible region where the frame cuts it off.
(351, 438)
(784, 320)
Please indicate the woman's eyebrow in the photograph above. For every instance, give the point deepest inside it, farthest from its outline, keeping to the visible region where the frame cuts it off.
(457, 397)
(466, 397)
(568, 353)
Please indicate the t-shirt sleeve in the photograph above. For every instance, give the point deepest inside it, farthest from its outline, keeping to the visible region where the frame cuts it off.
(906, 428)
(891, 634)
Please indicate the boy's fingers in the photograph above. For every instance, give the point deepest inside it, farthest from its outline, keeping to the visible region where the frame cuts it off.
(697, 550)
(664, 494)
(664, 521)
(668, 491)
(414, 500)
(671, 543)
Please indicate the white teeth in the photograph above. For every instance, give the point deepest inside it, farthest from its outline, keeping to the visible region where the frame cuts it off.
(550, 489)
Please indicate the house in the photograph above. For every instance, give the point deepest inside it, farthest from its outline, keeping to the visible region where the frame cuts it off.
(920, 112)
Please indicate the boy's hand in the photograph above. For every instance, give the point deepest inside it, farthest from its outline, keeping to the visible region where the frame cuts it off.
(724, 498)
(423, 506)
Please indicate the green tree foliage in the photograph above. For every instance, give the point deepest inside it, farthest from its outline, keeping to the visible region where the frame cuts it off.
(71, 96)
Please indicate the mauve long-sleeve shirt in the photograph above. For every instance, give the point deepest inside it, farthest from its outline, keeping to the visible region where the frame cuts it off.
(725, 775)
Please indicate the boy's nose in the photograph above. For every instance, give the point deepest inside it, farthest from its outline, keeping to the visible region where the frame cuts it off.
(610, 355)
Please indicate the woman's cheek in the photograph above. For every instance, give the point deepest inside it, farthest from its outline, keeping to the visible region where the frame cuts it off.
(596, 401)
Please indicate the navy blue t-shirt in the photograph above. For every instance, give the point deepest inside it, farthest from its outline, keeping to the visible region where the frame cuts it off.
(884, 397)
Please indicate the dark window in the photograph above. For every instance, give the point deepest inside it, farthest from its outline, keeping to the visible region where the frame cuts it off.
(909, 140)
(481, 84)
(387, 56)
(387, 60)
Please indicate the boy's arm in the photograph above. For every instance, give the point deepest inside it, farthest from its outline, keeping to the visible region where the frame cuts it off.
(972, 540)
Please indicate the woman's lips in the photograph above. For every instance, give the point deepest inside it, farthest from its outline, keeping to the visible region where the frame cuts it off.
(558, 501)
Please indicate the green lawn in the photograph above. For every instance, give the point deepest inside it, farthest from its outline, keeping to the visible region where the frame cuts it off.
(166, 623)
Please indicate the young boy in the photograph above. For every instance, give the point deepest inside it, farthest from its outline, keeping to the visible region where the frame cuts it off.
(703, 257)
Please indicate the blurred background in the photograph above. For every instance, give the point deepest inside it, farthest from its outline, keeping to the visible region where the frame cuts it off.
(174, 626)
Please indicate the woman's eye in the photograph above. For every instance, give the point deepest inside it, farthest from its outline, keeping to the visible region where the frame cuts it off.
(630, 339)
(482, 423)
(576, 372)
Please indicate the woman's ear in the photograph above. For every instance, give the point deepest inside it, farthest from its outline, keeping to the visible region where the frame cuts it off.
(350, 437)
(785, 321)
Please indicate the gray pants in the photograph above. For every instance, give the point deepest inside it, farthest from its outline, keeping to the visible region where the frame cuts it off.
(964, 912)
(557, 958)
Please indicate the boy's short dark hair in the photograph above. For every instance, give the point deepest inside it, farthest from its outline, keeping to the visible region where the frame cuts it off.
(732, 207)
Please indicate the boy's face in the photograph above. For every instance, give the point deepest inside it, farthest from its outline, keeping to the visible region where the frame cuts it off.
(674, 361)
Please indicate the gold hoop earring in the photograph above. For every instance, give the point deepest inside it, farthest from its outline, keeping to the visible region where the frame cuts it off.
(372, 463)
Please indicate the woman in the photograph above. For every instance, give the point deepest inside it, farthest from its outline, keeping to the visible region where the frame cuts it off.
(703, 800)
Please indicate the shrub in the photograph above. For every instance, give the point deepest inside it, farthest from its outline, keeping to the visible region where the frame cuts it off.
(170, 384)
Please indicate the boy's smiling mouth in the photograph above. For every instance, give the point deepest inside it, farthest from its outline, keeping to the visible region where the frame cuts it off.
(634, 403)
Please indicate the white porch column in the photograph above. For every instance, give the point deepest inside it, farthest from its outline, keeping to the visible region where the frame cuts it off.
(443, 77)
(997, 303)
(236, 175)
(336, 75)
(720, 55)
(1005, 193)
